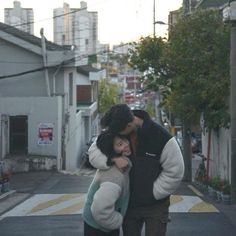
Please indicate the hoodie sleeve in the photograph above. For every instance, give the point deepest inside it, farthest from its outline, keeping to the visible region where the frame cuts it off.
(103, 206)
(96, 158)
(173, 170)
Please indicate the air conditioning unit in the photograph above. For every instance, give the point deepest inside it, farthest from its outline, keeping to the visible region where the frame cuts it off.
(233, 11)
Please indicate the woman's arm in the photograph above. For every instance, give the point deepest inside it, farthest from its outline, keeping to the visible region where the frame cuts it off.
(96, 158)
(103, 206)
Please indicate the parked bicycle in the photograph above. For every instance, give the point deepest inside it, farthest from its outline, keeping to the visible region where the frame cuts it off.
(200, 173)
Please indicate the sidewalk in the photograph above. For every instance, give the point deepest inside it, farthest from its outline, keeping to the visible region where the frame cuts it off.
(22, 186)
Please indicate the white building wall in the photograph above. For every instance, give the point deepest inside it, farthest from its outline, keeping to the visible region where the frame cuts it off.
(77, 145)
(73, 128)
(220, 153)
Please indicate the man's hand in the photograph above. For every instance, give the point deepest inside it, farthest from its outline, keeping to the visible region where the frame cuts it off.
(121, 163)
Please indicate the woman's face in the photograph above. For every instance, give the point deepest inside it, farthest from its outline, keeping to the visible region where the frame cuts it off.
(121, 146)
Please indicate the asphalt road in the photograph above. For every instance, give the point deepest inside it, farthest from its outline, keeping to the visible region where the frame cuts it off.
(55, 206)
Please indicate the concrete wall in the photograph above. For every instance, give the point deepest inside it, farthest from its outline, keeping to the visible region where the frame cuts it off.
(220, 153)
(38, 110)
(77, 145)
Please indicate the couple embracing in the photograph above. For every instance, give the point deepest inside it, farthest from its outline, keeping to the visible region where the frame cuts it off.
(139, 166)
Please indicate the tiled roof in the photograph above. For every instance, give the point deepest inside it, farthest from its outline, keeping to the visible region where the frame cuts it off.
(31, 38)
(212, 3)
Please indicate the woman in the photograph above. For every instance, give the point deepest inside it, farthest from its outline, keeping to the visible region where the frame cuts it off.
(108, 194)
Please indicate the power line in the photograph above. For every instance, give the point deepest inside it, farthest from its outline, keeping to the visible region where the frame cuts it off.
(22, 73)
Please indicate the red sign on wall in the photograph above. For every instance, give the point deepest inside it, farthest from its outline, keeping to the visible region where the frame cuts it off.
(45, 133)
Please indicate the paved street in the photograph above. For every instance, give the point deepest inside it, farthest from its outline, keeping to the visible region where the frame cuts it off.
(51, 204)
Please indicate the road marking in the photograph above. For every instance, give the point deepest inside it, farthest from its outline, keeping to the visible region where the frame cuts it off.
(61, 204)
(190, 204)
(49, 204)
(203, 207)
(53, 202)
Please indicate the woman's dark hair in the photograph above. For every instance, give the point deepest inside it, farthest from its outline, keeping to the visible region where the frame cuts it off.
(105, 144)
(117, 118)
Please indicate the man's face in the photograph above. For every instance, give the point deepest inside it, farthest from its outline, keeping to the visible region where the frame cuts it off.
(128, 129)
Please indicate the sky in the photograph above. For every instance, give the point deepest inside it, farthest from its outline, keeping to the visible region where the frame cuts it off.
(118, 20)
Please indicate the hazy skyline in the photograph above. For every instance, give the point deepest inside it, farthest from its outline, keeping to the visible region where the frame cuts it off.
(118, 20)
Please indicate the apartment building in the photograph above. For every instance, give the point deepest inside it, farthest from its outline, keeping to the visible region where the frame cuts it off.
(76, 26)
(20, 18)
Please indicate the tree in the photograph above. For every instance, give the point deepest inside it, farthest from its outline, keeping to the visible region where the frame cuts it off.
(192, 71)
(108, 95)
(198, 58)
(147, 57)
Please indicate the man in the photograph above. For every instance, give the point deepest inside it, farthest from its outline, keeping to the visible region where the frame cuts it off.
(157, 170)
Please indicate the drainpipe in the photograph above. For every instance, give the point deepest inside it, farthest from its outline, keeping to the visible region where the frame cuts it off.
(54, 79)
(44, 53)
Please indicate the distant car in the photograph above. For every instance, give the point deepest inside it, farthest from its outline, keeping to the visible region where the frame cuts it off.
(196, 141)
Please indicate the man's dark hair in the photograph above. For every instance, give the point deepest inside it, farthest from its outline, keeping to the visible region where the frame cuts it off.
(117, 118)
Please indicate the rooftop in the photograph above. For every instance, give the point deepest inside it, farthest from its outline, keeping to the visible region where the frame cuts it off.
(31, 38)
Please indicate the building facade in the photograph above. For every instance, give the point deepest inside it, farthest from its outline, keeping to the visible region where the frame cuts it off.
(42, 126)
(21, 18)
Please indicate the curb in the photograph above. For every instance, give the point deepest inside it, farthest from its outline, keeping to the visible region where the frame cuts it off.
(7, 194)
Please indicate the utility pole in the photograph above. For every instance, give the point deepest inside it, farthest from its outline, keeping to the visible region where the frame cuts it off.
(233, 99)
(44, 54)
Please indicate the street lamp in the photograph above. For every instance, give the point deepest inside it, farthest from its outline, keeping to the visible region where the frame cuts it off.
(160, 22)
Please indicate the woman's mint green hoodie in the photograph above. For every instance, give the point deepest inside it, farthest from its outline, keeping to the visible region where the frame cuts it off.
(107, 199)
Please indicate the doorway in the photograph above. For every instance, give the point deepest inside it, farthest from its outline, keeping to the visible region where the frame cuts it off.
(18, 134)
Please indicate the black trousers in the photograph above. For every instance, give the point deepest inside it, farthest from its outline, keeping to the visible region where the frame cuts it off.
(90, 231)
(154, 218)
